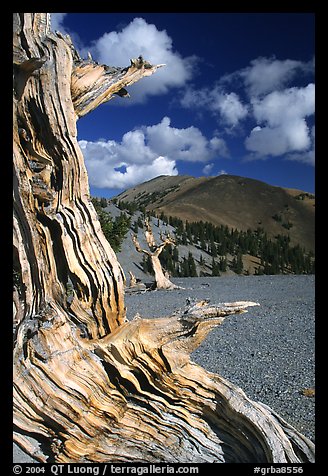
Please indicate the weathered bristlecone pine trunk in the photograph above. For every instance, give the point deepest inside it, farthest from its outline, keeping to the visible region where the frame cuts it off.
(154, 250)
(89, 385)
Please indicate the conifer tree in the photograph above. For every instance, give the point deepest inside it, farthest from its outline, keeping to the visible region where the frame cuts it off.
(191, 266)
(215, 268)
(237, 263)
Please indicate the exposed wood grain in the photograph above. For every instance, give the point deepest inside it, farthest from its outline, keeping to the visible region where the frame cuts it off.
(90, 385)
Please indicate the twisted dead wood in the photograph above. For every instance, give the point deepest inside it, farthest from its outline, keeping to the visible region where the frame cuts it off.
(153, 251)
(90, 385)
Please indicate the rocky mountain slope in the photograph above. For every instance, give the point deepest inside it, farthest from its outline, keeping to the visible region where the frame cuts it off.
(220, 252)
(237, 202)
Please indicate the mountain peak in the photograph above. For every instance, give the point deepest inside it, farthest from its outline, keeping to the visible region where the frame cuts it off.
(238, 202)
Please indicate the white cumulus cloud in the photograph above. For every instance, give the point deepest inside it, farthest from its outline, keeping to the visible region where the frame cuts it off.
(108, 168)
(281, 123)
(284, 105)
(227, 106)
(187, 144)
(208, 169)
(306, 157)
(146, 153)
(140, 38)
(265, 75)
(260, 94)
(116, 48)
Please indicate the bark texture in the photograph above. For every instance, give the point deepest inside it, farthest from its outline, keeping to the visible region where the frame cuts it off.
(89, 385)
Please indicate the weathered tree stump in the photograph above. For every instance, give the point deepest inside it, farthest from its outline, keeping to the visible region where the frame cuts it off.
(90, 385)
(162, 281)
(133, 280)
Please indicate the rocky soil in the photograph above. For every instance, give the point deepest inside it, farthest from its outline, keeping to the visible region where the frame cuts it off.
(268, 352)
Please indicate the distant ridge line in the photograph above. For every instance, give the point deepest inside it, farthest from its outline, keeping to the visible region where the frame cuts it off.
(238, 202)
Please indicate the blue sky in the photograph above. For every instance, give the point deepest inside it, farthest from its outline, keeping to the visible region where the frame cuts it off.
(236, 96)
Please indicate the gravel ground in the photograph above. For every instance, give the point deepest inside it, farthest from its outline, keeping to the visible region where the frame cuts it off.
(268, 351)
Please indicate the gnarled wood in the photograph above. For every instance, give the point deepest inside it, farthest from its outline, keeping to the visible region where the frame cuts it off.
(162, 281)
(89, 384)
(92, 84)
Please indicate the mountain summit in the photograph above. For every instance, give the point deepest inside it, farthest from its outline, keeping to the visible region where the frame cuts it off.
(237, 202)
